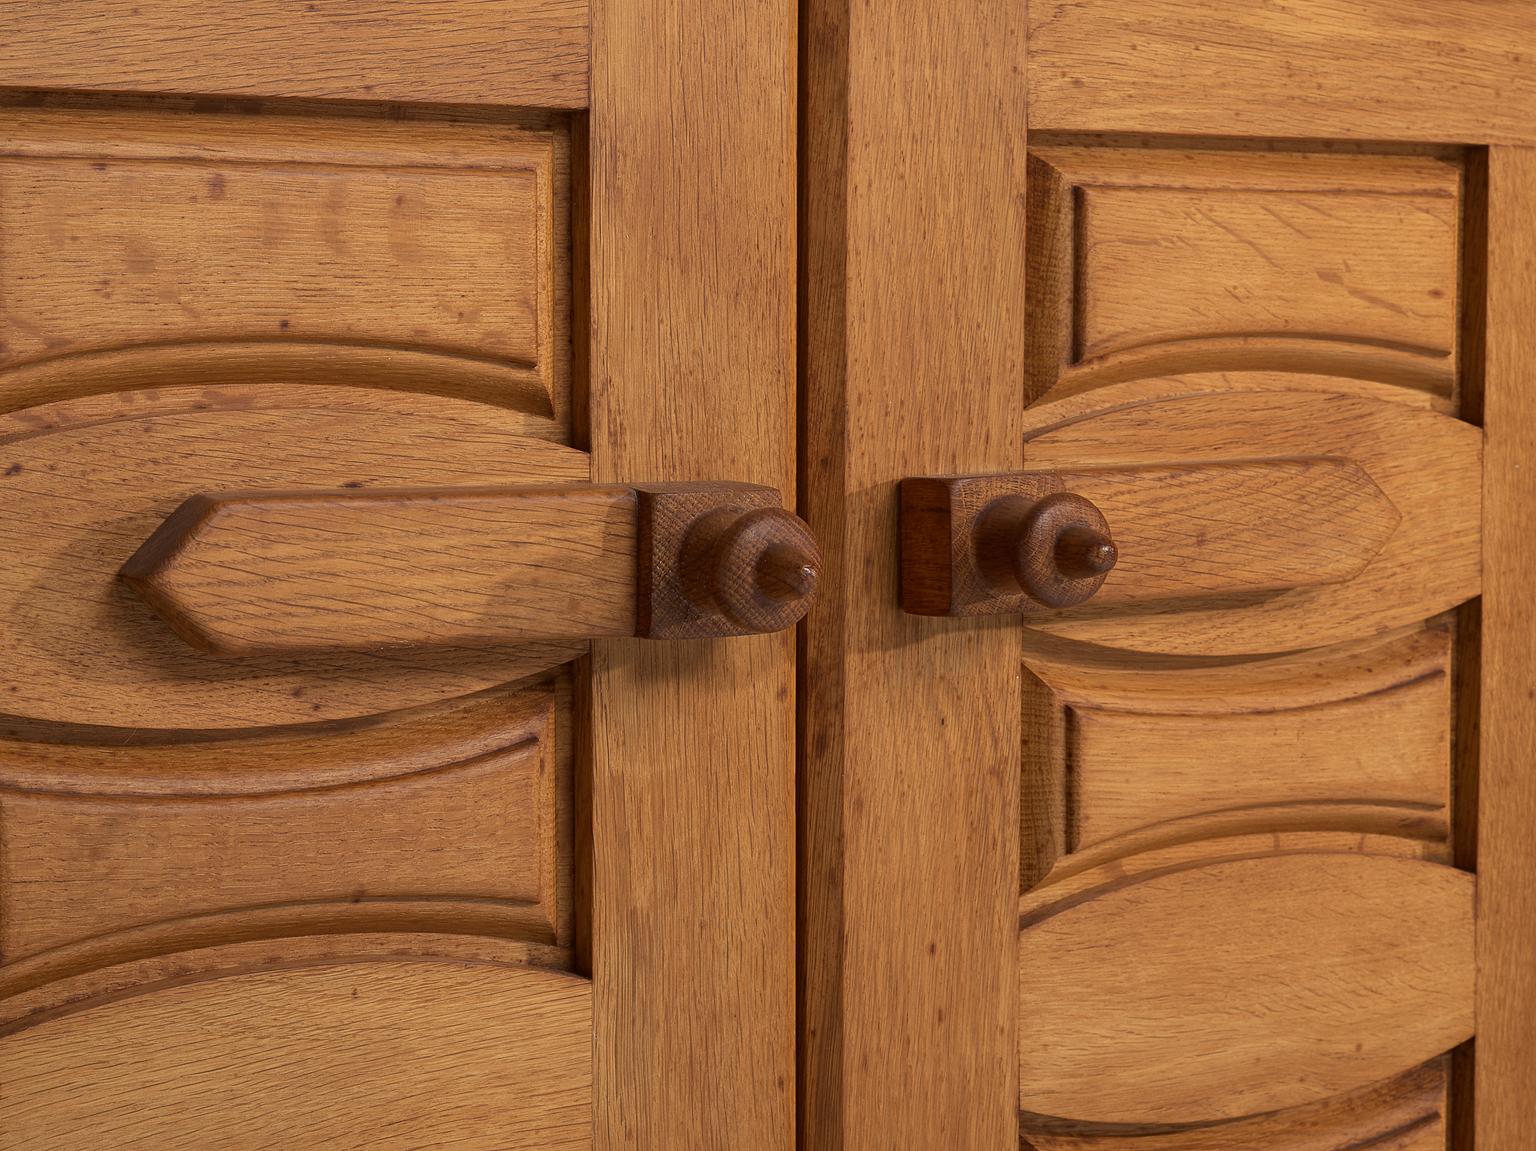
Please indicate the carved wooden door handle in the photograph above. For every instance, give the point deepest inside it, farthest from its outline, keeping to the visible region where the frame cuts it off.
(262, 572)
(1057, 549)
(1028, 542)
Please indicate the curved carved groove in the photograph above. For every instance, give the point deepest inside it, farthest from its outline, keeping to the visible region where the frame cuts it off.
(449, 372)
(63, 988)
(1426, 464)
(1285, 682)
(304, 758)
(1317, 974)
(1355, 821)
(1422, 377)
(492, 1046)
(494, 924)
(1380, 1117)
(1082, 877)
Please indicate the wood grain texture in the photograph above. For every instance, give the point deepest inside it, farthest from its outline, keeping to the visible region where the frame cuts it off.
(1325, 69)
(85, 650)
(77, 864)
(1506, 849)
(242, 573)
(913, 364)
(26, 1003)
(1179, 532)
(525, 52)
(443, 1053)
(1350, 740)
(133, 228)
(1407, 1113)
(294, 785)
(690, 248)
(1315, 974)
(1426, 464)
(1136, 246)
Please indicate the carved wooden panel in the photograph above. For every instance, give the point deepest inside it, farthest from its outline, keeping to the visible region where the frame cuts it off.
(79, 862)
(287, 863)
(1120, 759)
(392, 1070)
(196, 236)
(1242, 984)
(1241, 812)
(1269, 258)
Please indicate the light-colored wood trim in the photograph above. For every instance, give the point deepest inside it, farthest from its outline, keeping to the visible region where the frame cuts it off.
(913, 334)
(692, 277)
(1455, 71)
(1506, 846)
(525, 53)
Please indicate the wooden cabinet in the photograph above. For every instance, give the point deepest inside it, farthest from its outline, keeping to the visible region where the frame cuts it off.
(403, 409)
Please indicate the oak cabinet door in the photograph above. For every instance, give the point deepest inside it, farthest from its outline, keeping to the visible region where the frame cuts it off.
(1171, 357)
(413, 844)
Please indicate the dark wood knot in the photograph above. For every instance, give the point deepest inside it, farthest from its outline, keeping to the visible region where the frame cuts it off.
(1057, 549)
(759, 566)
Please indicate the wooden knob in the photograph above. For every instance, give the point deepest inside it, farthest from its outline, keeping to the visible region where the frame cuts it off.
(1057, 549)
(760, 567)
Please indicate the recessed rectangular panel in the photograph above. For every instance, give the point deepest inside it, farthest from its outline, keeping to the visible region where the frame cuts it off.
(100, 253)
(1389, 748)
(1118, 762)
(1198, 258)
(478, 832)
(345, 235)
(1156, 264)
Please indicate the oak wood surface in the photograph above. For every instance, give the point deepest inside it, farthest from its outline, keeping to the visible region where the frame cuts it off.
(1456, 71)
(913, 363)
(690, 247)
(1407, 1113)
(103, 895)
(414, 1053)
(223, 247)
(1426, 464)
(1181, 246)
(532, 53)
(1363, 734)
(77, 866)
(1313, 974)
(83, 649)
(258, 572)
(1506, 800)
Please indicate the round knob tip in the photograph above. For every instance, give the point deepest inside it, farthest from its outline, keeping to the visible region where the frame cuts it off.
(784, 572)
(765, 569)
(1056, 549)
(1084, 552)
